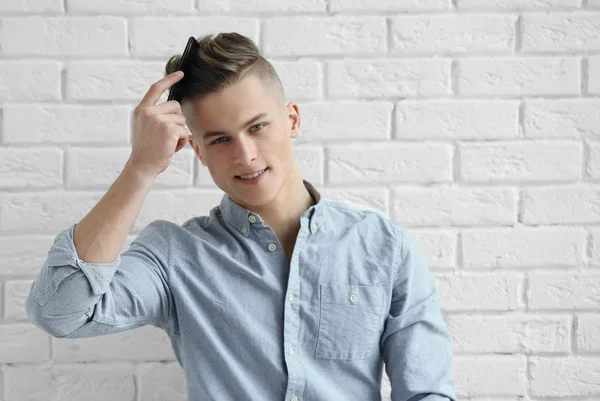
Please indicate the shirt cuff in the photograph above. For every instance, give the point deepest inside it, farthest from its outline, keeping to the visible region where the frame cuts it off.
(64, 253)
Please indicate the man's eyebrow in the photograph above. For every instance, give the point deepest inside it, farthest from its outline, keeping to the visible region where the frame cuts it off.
(211, 134)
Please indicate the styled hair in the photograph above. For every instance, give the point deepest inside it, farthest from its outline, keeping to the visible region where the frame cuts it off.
(223, 61)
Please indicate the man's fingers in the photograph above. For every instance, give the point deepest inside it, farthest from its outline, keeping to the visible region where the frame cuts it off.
(175, 118)
(157, 89)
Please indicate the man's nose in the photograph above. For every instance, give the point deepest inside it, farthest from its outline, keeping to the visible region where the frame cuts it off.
(245, 150)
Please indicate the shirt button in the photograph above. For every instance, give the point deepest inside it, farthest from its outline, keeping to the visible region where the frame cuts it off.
(291, 297)
(353, 298)
(252, 219)
(314, 227)
(291, 351)
(272, 247)
(244, 230)
(294, 398)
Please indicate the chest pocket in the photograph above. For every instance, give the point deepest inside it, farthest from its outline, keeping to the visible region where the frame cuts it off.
(350, 322)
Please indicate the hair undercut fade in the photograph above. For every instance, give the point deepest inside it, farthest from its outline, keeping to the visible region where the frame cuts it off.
(223, 61)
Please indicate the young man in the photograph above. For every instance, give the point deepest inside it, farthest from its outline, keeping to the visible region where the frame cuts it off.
(278, 294)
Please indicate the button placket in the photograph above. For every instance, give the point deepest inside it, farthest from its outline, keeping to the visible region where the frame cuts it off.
(293, 344)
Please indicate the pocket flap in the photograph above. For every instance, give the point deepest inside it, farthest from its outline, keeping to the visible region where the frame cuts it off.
(352, 294)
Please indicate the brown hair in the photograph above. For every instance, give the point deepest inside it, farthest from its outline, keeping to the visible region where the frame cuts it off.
(223, 61)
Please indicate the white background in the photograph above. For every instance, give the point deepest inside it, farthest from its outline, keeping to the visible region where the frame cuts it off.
(475, 123)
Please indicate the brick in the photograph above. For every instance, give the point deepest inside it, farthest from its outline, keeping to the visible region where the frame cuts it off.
(561, 205)
(565, 376)
(44, 212)
(167, 36)
(337, 35)
(114, 381)
(29, 81)
(510, 333)
(311, 161)
(457, 119)
(20, 343)
(452, 33)
(162, 381)
(520, 161)
(62, 36)
(23, 255)
(587, 333)
(268, 6)
(490, 375)
(389, 5)
(15, 295)
(564, 290)
(455, 206)
(30, 168)
(346, 120)
(301, 79)
(63, 124)
(518, 247)
(389, 163)
(479, 291)
(509, 76)
(99, 168)
(595, 245)
(372, 198)
(135, 7)
(28, 7)
(561, 32)
(438, 247)
(114, 81)
(592, 167)
(388, 78)
(143, 344)
(593, 72)
(517, 4)
(566, 118)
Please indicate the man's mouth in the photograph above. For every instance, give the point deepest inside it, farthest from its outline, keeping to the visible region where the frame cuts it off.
(251, 176)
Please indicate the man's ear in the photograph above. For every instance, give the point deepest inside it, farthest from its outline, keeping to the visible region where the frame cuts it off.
(196, 147)
(293, 114)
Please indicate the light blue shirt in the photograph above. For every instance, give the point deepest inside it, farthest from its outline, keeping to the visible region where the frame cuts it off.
(246, 324)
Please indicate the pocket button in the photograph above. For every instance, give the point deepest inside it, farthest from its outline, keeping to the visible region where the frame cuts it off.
(353, 298)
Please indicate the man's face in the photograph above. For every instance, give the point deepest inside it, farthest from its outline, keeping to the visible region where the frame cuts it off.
(228, 138)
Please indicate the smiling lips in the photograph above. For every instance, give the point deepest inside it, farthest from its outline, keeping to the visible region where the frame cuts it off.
(253, 175)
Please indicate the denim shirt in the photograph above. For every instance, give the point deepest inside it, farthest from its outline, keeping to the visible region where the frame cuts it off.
(245, 323)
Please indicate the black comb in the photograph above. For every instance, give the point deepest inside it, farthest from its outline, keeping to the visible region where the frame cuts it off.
(191, 49)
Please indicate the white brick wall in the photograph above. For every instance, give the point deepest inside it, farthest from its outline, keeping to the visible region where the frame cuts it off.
(475, 123)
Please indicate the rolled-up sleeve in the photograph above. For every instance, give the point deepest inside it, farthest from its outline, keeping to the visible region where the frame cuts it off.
(72, 298)
(416, 344)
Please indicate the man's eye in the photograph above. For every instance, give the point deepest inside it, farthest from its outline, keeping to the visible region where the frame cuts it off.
(257, 125)
(216, 141)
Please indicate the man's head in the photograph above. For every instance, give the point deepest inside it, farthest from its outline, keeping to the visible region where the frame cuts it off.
(235, 108)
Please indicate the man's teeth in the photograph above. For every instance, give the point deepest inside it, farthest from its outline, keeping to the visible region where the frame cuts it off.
(249, 177)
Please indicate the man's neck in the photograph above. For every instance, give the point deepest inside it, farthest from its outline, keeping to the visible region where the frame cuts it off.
(283, 214)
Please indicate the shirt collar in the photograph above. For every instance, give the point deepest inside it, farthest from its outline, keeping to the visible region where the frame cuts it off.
(240, 217)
